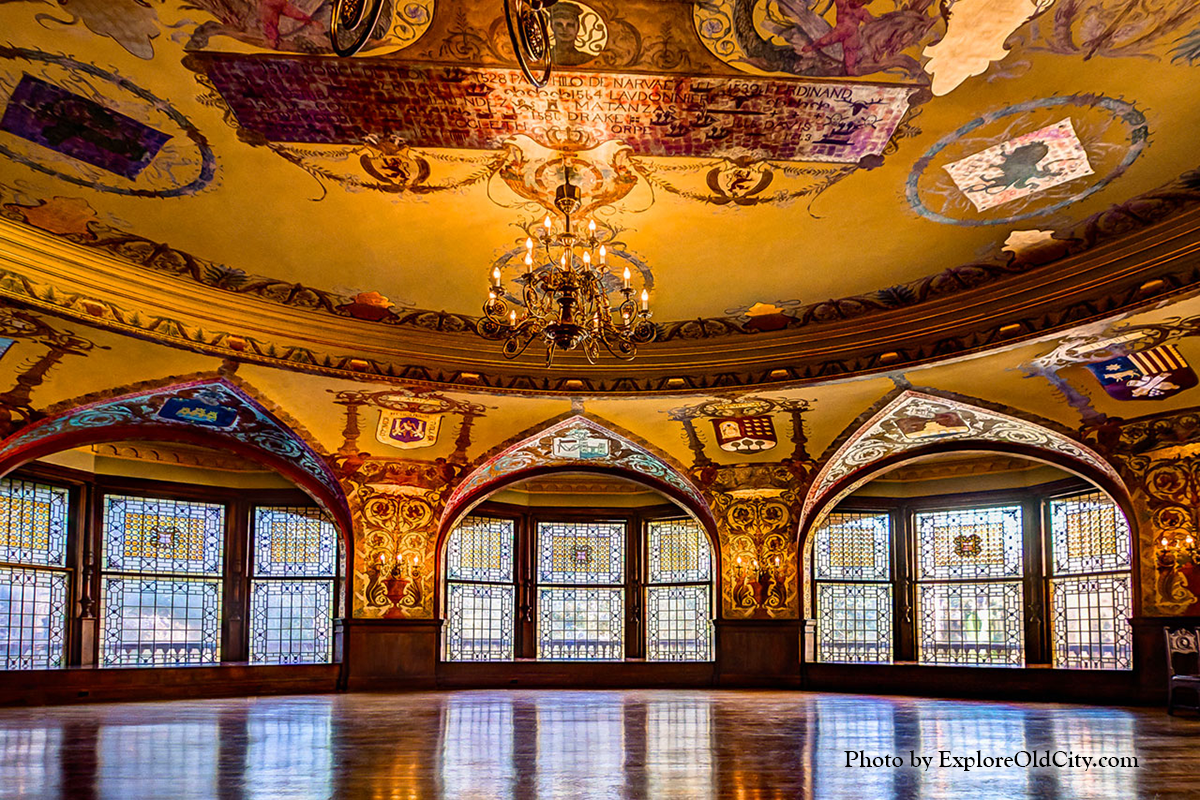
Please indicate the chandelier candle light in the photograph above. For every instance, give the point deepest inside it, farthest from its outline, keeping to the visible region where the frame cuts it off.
(566, 291)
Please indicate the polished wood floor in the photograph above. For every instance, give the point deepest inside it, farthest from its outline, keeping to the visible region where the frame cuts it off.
(589, 744)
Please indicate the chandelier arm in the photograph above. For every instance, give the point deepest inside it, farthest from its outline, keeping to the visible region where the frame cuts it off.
(349, 17)
(516, 14)
(591, 349)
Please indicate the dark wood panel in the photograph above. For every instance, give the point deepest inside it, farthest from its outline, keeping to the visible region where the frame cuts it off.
(49, 687)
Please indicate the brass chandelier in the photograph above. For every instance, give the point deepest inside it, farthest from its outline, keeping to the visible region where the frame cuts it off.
(566, 291)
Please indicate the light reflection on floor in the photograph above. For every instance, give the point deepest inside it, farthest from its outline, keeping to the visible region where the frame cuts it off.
(603, 744)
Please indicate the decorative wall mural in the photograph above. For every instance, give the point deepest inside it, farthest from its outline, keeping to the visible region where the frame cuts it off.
(541, 451)
(188, 406)
(23, 326)
(912, 420)
(597, 34)
(1112, 28)
(843, 38)
(1154, 374)
(1159, 457)
(1115, 345)
(577, 33)
(759, 552)
(742, 425)
(1027, 160)
(92, 127)
(977, 34)
(65, 216)
(409, 418)
(133, 24)
(301, 26)
(478, 109)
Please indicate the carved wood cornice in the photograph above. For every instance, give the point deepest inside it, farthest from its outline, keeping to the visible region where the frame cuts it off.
(46, 272)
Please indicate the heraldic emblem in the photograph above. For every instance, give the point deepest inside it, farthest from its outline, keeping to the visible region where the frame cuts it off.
(407, 430)
(1153, 374)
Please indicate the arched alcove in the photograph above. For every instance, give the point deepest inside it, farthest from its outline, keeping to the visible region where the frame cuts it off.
(915, 424)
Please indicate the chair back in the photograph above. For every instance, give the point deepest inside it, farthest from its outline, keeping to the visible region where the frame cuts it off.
(1183, 651)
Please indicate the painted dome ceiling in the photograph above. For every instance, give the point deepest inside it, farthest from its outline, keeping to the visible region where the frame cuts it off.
(807, 190)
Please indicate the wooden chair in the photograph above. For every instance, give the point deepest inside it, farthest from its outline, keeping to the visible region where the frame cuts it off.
(1183, 665)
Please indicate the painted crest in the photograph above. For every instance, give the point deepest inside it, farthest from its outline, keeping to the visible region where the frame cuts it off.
(407, 430)
(745, 434)
(198, 412)
(578, 444)
(1153, 374)
(944, 423)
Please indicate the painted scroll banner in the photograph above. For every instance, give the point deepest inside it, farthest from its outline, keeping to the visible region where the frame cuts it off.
(328, 101)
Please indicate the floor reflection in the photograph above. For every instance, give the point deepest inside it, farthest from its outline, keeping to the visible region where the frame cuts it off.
(602, 744)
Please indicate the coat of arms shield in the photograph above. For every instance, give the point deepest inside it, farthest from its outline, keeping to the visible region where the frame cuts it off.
(406, 429)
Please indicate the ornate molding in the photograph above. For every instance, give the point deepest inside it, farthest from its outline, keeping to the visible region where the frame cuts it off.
(51, 273)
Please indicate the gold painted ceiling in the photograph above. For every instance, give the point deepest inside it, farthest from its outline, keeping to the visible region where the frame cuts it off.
(809, 191)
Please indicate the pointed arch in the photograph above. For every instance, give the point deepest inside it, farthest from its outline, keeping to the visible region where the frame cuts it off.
(577, 443)
(915, 423)
(204, 411)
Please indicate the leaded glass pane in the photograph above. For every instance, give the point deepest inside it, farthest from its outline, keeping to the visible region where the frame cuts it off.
(142, 534)
(971, 623)
(33, 523)
(679, 551)
(581, 552)
(479, 622)
(481, 549)
(33, 618)
(1088, 534)
(969, 543)
(1090, 623)
(678, 623)
(160, 622)
(294, 542)
(291, 622)
(581, 624)
(854, 546)
(854, 622)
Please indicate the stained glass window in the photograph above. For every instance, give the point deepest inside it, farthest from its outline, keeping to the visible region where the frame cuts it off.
(292, 586)
(145, 535)
(969, 544)
(581, 624)
(34, 582)
(967, 623)
(481, 590)
(679, 551)
(294, 542)
(855, 622)
(480, 622)
(481, 549)
(1088, 533)
(581, 552)
(679, 623)
(854, 546)
(33, 611)
(578, 617)
(679, 595)
(970, 598)
(33, 524)
(852, 555)
(162, 563)
(1091, 595)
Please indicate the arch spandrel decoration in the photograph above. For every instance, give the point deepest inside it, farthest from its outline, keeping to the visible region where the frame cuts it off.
(206, 412)
(915, 422)
(577, 443)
